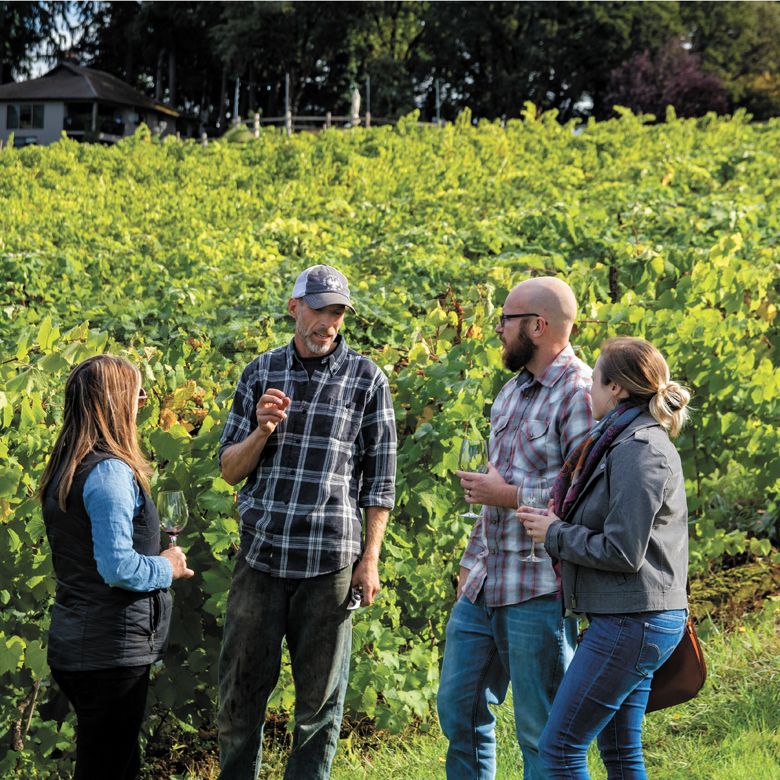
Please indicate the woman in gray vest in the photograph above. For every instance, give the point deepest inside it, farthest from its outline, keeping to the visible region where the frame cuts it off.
(112, 609)
(619, 526)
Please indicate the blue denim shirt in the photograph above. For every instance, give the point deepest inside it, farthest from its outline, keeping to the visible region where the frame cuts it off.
(112, 498)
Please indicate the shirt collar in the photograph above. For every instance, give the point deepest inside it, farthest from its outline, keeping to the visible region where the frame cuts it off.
(553, 372)
(333, 360)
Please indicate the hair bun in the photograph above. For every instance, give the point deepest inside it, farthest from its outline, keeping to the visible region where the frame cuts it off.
(674, 395)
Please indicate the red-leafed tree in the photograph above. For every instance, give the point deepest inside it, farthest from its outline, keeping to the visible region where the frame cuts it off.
(672, 76)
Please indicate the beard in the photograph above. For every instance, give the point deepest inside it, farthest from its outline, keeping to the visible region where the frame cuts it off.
(518, 354)
(315, 347)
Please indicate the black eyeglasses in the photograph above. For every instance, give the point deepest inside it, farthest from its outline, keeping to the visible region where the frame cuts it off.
(504, 317)
(141, 398)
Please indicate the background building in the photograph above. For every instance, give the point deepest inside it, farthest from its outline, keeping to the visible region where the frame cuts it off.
(89, 105)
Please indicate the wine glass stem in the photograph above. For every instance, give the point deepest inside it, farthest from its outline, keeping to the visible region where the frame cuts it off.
(172, 537)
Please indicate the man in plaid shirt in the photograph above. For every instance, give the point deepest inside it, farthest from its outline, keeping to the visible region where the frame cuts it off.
(507, 624)
(312, 431)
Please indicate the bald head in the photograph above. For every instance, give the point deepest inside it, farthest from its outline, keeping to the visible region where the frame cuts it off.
(549, 297)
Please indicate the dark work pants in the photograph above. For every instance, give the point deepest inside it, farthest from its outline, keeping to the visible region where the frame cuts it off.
(312, 615)
(109, 705)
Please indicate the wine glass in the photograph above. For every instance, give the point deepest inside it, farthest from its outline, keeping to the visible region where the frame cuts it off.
(473, 457)
(173, 512)
(536, 494)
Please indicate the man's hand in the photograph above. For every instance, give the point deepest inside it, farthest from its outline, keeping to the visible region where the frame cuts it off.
(240, 459)
(366, 577)
(178, 561)
(462, 577)
(270, 410)
(490, 489)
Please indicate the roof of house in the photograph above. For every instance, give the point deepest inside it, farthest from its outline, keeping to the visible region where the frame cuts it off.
(73, 82)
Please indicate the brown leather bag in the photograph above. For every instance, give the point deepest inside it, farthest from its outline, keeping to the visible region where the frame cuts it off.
(681, 676)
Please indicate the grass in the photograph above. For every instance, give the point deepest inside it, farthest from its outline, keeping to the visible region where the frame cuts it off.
(730, 732)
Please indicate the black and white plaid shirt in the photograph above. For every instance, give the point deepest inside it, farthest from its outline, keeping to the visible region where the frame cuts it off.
(333, 455)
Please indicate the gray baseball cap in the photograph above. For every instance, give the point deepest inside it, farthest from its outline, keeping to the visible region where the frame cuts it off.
(322, 285)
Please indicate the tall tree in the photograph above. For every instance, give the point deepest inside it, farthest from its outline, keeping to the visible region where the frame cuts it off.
(740, 42)
(310, 42)
(494, 56)
(672, 77)
(27, 30)
(162, 48)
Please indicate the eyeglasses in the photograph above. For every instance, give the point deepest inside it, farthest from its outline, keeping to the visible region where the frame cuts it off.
(142, 398)
(504, 317)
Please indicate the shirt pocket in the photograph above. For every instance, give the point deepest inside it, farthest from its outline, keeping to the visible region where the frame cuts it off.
(342, 416)
(532, 441)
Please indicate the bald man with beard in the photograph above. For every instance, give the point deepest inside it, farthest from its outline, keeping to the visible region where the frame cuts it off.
(507, 624)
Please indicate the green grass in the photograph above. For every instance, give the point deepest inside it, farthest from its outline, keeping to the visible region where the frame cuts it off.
(730, 732)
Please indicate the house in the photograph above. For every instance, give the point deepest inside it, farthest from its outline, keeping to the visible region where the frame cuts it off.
(89, 105)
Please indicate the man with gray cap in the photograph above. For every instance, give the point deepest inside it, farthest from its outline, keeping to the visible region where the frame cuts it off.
(312, 432)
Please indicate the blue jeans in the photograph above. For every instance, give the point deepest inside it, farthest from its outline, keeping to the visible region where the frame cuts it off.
(529, 644)
(312, 615)
(604, 694)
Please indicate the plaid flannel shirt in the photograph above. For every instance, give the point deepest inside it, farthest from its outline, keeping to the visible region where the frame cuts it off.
(334, 455)
(535, 423)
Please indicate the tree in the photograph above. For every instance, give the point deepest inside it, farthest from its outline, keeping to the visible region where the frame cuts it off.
(262, 42)
(494, 56)
(673, 76)
(161, 48)
(27, 29)
(740, 42)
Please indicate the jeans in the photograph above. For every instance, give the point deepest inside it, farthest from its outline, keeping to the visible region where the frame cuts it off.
(312, 615)
(109, 705)
(529, 644)
(604, 694)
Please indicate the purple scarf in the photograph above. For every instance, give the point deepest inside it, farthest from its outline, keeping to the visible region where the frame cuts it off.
(582, 462)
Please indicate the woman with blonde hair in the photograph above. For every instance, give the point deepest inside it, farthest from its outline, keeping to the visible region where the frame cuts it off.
(618, 523)
(112, 610)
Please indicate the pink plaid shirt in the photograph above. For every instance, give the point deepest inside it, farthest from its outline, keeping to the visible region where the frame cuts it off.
(535, 423)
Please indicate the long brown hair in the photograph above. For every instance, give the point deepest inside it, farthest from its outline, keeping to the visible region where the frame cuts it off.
(100, 407)
(640, 369)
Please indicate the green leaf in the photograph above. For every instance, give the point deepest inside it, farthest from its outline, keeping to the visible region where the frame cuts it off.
(9, 479)
(11, 653)
(35, 659)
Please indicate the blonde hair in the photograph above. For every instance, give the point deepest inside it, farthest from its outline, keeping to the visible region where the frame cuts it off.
(640, 369)
(99, 415)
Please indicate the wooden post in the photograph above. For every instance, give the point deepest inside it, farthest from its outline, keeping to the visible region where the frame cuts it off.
(368, 101)
(328, 120)
(94, 116)
(236, 117)
(204, 139)
(257, 125)
(287, 111)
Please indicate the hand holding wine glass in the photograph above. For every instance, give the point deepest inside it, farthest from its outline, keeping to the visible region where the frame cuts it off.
(473, 457)
(173, 512)
(536, 494)
(172, 508)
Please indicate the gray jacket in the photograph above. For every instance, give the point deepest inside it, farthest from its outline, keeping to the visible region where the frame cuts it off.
(625, 547)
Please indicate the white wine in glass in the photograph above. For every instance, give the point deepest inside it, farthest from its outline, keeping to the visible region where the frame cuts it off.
(473, 457)
(173, 512)
(536, 494)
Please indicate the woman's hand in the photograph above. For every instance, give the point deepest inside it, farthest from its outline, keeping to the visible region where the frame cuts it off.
(536, 521)
(178, 561)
